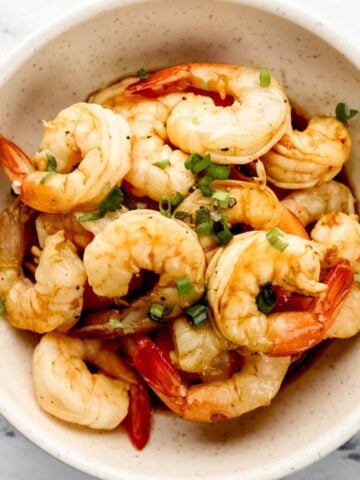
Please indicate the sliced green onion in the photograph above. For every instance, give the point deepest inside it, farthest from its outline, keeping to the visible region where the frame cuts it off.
(341, 113)
(112, 202)
(222, 233)
(204, 185)
(162, 163)
(273, 237)
(204, 84)
(264, 77)
(177, 199)
(221, 199)
(232, 202)
(142, 74)
(202, 215)
(2, 307)
(196, 163)
(46, 177)
(88, 217)
(266, 298)
(184, 286)
(357, 277)
(180, 215)
(215, 216)
(203, 229)
(51, 163)
(158, 311)
(218, 172)
(115, 323)
(196, 315)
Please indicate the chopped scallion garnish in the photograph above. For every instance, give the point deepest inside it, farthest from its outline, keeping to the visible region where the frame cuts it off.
(158, 311)
(218, 172)
(204, 185)
(264, 77)
(221, 199)
(222, 233)
(196, 163)
(202, 215)
(162, 163)
(88, 217)
(273, 236)
(203, 229)
(2, 307)
(112, 202)
(184, 286)
(266, 298)
(142, 74)
(46, 177)
(180, 215)
(166, 202)
(115, 323)
(196, 315)
(341, 113)
(51, 163)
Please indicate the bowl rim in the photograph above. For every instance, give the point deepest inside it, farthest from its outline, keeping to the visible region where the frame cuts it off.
(314, 450)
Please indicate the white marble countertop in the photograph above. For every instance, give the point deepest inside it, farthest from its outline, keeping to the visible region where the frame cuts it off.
(20, 459)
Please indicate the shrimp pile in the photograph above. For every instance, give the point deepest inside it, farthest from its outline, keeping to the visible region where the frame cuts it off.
(177, 233)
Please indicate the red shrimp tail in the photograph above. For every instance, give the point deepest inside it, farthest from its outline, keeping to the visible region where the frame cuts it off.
(137, 423)
(173, 79)
(339, 281)
(156, 369)
(14, 161)
(294, 332)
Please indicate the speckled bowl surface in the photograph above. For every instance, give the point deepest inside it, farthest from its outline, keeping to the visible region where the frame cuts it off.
(314, 413)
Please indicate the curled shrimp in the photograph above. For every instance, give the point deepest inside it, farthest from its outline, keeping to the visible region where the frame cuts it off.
(253, 386)
(156, 167)
(253, 205)
(337, 237)
(310, 204)
(235, 134)
(65, 388)
(303, 159)
(236, 275)
(146, 240)
(50, 223)
(54, 301)
(89, 137)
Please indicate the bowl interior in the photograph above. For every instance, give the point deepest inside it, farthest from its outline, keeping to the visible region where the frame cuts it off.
(313, 413)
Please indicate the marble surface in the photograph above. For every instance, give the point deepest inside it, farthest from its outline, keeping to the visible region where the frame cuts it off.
(21, 460)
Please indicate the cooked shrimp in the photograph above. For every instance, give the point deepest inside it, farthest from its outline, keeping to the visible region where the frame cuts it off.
(236, 134)
(338, 237)
(310, 204)
(255, 385)
(253, 205)
(235, 278)
(50, 223)
(156, 167)
(347, 321)
(303, 159)
(89, 137)
(146, 240)
(65, 388)
(54, 301)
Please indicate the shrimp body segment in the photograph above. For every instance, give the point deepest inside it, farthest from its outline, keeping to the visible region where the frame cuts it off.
(234, 279)
(310, 204)
(146, 240)
(156, 167)
(91, 146)
(253, 386)
(65, 388)
(236, 134)
(55, 300)
(303, 159)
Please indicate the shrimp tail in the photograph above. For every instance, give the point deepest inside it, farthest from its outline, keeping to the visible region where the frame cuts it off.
(157, 371)
(290, 223)
(14, 161)
(173, 79)
(295, 332)
(137, 423)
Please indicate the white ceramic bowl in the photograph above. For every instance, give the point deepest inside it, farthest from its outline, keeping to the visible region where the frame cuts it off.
(94, 45)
